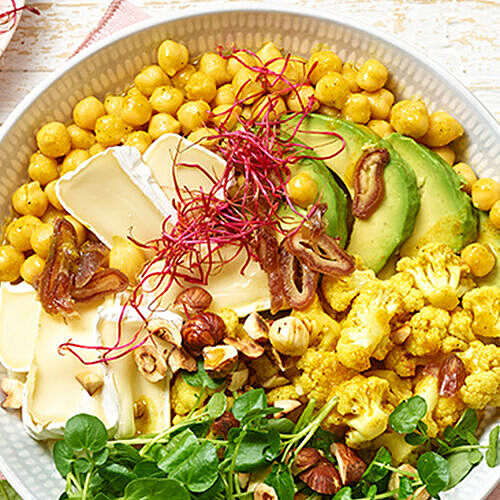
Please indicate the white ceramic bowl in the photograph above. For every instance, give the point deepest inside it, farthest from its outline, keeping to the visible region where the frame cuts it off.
(110, 65)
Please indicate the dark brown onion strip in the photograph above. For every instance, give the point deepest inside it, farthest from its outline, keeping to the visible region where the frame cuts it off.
(102, 283)
(93, 255)
(369, 185)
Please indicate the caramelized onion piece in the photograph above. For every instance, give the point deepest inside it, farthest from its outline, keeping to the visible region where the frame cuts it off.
(93, 255)
(451, 376)
(369, 186)
(102, 283)
(57, 278)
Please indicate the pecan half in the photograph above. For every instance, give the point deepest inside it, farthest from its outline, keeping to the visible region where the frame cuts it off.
(451, 376)
(102, 283)
(369, 185)
(204, 329)
(93, 255)
(323, 478)
(224, 424)
(351, 467)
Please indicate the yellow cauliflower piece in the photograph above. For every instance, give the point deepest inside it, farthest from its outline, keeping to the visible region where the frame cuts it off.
(447, 412)
(400, 450)
(484, 305)
(404, 298)
(280, 393)
(232, 322)
(428, 328)
(437, 272)
(427, 388)
(460, 333)
(184, 396)
(399, 389)
(400, 362)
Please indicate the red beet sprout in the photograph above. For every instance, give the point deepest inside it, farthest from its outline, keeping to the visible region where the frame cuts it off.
(8, 19)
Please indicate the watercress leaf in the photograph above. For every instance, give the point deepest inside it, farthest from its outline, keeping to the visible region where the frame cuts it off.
(273, 447)
(405, 488)
(281, 425)
(7, 492)
(254, 399)
(63, 496)
(475, 456)
(101, 496)
(406, 415)
(81, 465)
(492, 453)
(460, 465)
(376, 470)
(101, 456)
(63, 457)
(177, 450)
(434, 472)
(117, 476)
(281, 480)
(415, 439)
(200, 470)
(343, 494)
(121, 452)
(156, 489)
(85, 432)
(256, 450)
(200, 378)
(372, 491)
(322, 440)
(147, 468)
(467, 424)
(449, 433)
(213, 491)
(216, 405)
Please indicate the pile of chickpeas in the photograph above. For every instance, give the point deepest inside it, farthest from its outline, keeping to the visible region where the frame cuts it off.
(179, 96)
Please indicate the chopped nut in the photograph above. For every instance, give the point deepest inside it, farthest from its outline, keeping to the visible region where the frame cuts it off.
(150, 362)
(90, 381)
(204, 329)
(247, 347)
(323, 478)
(140, 407)
(256, 328)
(275, 381)
(243, 479)
(401, 334)
(14, 390)
(238, 379)
(166, 331)
(305, 459)
(419, 494)
(451, 376)
(264, 492)
(351, 467)
(277, 357)
(223, 424)
(220, 359)
(287, 406)
(193, 300)
(179, 359)
(289, 336)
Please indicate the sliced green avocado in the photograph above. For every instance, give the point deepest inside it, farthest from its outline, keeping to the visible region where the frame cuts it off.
(489, 235)
(446, 213)
(378, 237)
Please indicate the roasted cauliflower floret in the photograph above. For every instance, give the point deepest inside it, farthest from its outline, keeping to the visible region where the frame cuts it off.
(401, 362)
(484, 306)
(281, 393)
(447, 412)
(400, 450)
(428, 328)
(437, 272)
(460, 333)
(399, 389)
(403, 297)
(184, 396)
(427, 388)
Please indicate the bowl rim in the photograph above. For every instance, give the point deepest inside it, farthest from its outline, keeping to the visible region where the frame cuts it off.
(320, 14)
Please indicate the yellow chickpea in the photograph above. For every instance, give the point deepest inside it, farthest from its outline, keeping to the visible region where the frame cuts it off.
(113, 104)
(246, 86)
(328, 110)
(226, 115)
(139, 139)
(357, 108)
(150, 78)
(495, 214)
(136, 110)
(302, 189)
(485, 193)
(73, 159)
(321, 63)
(180, 79)
(31, 268)
(332, 90)
(80, 138)
(53, 140)
(350, 73)
(372, 75)
(224, 95)
(163, 123)
(166, 99)
(201, 86)
(297, 101)
(193, 115)
(410, 118)
(110, 130)
(87, 111)
(81, 232)
(19, 231)
(11, 261)
(41, 239)
(52, 214)
(380, 127)
(126, 257)
(446, 153)
(273, 105)
(172, 57)
(268, 52)
(381, 102)
(204, 137)
(467, 174)
(479, 258)
(234, 64)
(96, 149)
(50, 191)
(134, 91)
(214, 65)
(42, 168)
(443, 129)
(29, 199)
(291, 75)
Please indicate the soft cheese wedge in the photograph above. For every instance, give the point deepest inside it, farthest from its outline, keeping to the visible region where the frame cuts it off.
(130, 385)
(19, 316)
(52, 392)
(114, 194)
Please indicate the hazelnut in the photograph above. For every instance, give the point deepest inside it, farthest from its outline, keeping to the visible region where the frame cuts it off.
(193, 300)
(238, 379)
(419, 494)
(264, 492)
(286, 406)
(243, 479)
(323, 478)
(247, 347)
(351, 467)
(220, 359)
(224, 424)
(204, 329)
(305, 459)
(275, 381)
(401, 334)
(256, 328)
(90, 381)
(14, 390)
(150, 362)
(166, 331)
(179, 359)
(289, 336)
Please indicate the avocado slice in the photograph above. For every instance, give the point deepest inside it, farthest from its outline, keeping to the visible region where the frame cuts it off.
(446, 213)
(489, 235)
(378, 237)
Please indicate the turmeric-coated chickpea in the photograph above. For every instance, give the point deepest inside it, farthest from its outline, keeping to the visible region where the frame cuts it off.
(480, 259)
(163, 123)
(240, 60)
(321, 63)
(247, 86)
(31, 268)
(73, 159)
(201, 86)
(42, 168)
(81, 232)
(285, 73)
(224, 95)
(172, 57)
(113, 104)
(272, 106)
(180, 79)
(126, 257)
(134, 91)
(214, 65)
(299, 99)
(268, 52)
(380, 127)
(110, 130)
(29, 199)
(52, 214)
(80, 138)
(41, 239)
(495, 214)
(485, 192)
(139, 139)
(328, 111)
(446, 153)
(226, 115)
(468, 175)
(150, 78)
(96, 149)
(381, 102)
(443, 129)
(19, 231)
(87, 111)
(136, 110)
(350, 73)
(53, 140)
(50, 191)
(357, 108)
(302, 189)
(204, 136)
(166, 99)
(11, 261)
(410, 118)
(193, 114)
(332, 90)
(372, 75)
